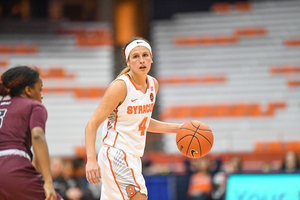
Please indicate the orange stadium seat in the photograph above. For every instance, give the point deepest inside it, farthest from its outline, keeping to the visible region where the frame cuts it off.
(93, 92)
(55, 72)
(285, 69)
(222, 110)
(19, 49)
(238, 110)
(243, 6)
(251, 31)
(193, 79)
(292, 42)
(254, 110)
(294, 83)
(206, 40)
(221, 7)
(94, 38)
(57, 90)
(3, 63)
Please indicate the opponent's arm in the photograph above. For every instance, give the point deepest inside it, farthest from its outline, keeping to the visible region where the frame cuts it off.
(40, 149)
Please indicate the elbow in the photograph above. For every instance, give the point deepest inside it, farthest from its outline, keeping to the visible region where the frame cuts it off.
(91, 126)
(37, 134)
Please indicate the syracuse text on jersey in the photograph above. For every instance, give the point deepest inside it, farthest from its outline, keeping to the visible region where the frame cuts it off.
(140, 109)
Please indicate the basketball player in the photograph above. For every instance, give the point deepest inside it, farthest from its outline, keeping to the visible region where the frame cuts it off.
(22, 125)
(125, 109)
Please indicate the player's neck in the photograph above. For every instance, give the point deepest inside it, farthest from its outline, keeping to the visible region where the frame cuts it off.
(139, 80)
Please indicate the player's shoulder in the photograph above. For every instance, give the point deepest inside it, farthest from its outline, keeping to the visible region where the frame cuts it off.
(155, 82)
(28, 102)
(118, 86)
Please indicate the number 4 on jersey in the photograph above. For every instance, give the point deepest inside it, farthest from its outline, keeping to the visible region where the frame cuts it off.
(142, 126)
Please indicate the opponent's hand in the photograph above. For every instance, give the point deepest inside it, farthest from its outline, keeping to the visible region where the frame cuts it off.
(93, 173)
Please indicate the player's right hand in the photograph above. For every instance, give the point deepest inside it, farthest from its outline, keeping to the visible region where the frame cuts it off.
(49, 191)
(93, 173)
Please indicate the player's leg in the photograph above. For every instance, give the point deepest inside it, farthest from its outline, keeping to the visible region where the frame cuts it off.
(139, 196)
(121, 175)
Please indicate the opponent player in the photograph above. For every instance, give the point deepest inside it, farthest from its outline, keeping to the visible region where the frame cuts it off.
(125, 109)
(22, 125)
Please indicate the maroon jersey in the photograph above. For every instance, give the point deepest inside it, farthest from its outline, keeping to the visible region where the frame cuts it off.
(18, 116)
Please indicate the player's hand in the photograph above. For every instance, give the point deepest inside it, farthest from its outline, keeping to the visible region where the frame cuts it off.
(93, 173)
(49, 191)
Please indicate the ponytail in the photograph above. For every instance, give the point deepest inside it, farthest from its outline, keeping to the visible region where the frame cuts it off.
(124, 71)
(4, 90)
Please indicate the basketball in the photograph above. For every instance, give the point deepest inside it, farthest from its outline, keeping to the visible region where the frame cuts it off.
(194, 139)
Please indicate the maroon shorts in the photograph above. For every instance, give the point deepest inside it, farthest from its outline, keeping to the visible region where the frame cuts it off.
(19, 180)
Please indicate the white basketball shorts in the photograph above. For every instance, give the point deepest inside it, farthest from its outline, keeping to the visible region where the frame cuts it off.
(121, 174)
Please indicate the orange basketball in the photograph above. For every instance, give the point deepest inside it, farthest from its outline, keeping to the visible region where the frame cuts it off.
(194, 139)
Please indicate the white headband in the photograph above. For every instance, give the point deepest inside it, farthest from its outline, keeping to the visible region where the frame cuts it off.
(134, 44)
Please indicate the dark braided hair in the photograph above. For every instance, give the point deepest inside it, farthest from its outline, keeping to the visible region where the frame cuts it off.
(14, 80)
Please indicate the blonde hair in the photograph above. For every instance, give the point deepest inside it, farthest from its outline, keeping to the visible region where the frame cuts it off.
(127, 68)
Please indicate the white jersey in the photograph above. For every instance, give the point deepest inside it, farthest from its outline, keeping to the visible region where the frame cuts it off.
(126, 126)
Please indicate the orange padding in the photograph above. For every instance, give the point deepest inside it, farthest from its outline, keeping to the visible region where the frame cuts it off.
(222, 110)
(89, 92)
(277, 146)
(251, 161)
(55, 72)
(251, 31)
(193, 79)
(292, 42)
(19, 49)
(284, 69)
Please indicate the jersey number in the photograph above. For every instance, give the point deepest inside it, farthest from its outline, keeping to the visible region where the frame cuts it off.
(2, 114)
(142, 126)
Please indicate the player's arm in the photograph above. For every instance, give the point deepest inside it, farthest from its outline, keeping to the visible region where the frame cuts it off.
(114, 96)
(40, 149)
(156, 126)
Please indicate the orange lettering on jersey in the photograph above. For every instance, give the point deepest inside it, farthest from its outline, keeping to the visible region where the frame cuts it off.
(135, 109)
(141, 109)
(129, 109)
